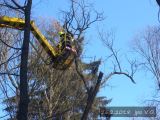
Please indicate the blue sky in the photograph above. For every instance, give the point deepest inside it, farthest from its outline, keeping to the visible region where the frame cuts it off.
(126, 18)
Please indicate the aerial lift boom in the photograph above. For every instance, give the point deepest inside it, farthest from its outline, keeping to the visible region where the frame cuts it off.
(61, 55)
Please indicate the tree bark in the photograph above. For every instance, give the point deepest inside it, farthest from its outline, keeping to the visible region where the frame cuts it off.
(91, 97)
(24, 98)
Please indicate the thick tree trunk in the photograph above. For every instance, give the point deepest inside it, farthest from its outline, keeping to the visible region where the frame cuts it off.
(24, 98)
(91, 97)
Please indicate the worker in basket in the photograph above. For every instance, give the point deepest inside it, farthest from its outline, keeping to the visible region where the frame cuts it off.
(66, 40)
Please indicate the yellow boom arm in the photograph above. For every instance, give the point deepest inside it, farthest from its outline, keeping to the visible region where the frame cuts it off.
(60, 60)
(18, 23)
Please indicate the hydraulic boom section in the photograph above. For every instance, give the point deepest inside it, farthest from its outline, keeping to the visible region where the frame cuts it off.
(61, 55)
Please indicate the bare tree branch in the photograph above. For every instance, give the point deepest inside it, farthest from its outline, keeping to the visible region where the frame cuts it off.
(107, 39)
(148, 47)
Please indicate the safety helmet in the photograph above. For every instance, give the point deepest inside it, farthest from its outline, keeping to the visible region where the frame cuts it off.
(61, 33)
